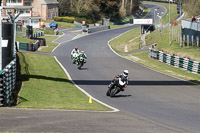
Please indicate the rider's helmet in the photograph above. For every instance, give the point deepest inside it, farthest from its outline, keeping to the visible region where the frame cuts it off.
(82, 52)
(125, 73)
(76, 48)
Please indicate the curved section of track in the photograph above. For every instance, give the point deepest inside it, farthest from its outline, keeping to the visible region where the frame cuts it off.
(150, 94)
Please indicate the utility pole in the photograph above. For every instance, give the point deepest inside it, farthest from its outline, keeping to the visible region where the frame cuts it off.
(180, 42)
(169, 25)
(154, 18)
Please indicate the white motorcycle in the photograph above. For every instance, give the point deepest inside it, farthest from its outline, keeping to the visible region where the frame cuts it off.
(75, 58)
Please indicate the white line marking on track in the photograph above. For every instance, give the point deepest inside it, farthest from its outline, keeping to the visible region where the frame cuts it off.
(86, 93)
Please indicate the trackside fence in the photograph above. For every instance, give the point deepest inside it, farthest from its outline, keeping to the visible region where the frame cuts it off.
(7, 83)
(179, 62)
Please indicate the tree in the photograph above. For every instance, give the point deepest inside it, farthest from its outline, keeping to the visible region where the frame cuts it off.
(97, 9)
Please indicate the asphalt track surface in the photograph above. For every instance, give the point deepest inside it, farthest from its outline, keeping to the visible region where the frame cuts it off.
(153, 102)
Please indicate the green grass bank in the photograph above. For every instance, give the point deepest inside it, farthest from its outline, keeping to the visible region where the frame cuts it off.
(45, 85)
(130, 42)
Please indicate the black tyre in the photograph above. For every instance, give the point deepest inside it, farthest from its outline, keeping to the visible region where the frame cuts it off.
(80, 65)
(108, 92)
(113, 92)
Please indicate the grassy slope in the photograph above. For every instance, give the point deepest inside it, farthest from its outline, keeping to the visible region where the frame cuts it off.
(130, 40)
(163, 44)
(162, 40)
(45, 85)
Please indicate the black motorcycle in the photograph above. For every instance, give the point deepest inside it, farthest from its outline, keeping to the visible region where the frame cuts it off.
(81, 61)
(116, 86)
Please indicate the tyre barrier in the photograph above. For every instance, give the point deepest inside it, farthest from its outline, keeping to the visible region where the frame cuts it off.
(38, 34)
(7, 83)
(28, 46)
(179, 62)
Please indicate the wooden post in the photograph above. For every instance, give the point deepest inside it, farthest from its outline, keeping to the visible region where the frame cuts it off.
(188, 41)
(180, 41)
(178, 36)
(183, 40)
(192, 41)
(197, 41)
(172, 32)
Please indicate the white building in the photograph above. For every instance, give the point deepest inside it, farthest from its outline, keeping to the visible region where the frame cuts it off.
(24, 8)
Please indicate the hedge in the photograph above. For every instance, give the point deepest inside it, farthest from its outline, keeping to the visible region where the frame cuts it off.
(64, 19)
(58, 19)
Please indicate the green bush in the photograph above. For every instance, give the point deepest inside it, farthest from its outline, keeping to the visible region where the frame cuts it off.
(58, 19)
(68, 19)
(71, 19)
(64, 19)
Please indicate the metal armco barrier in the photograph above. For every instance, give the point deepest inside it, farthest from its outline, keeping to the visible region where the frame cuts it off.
(183, 63)
(7, 83)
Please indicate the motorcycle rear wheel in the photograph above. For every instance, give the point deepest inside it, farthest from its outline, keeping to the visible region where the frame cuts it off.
(80, 65)
(108, 92)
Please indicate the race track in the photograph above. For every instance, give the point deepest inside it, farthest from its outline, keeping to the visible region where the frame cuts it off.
(150, 94)
(152, 103)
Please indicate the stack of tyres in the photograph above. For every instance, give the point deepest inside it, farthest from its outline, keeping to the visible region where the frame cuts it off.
(30, 47)
(1, 88)
(42, 42)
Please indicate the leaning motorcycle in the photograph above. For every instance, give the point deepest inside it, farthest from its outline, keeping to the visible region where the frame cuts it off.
(117, 86)
(81, 62)
(75, 58)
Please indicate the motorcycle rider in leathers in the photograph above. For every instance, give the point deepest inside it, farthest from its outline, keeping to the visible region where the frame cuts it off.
(82, 54)
(123, 76)
(75, 50)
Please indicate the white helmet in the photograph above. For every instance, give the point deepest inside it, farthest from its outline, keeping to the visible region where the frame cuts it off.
(125, 73)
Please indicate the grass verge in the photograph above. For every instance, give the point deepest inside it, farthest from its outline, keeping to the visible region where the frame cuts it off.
(61, 24)
(46, 86)
(144, 59)
(163, 45)
(118, 44)
(127, 42)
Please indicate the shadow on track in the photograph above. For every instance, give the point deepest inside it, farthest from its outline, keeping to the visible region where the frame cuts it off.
(107, 82)
(131, 82)
(118, 96)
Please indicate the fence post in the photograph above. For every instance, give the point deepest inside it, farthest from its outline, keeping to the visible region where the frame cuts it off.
(188, 41)
(183, 40)
(197, 41)
(172, 31)
(192, 41)
(180, 41)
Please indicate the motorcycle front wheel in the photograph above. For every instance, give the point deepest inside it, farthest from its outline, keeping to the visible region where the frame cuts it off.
(80, 65)
(113, 92)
